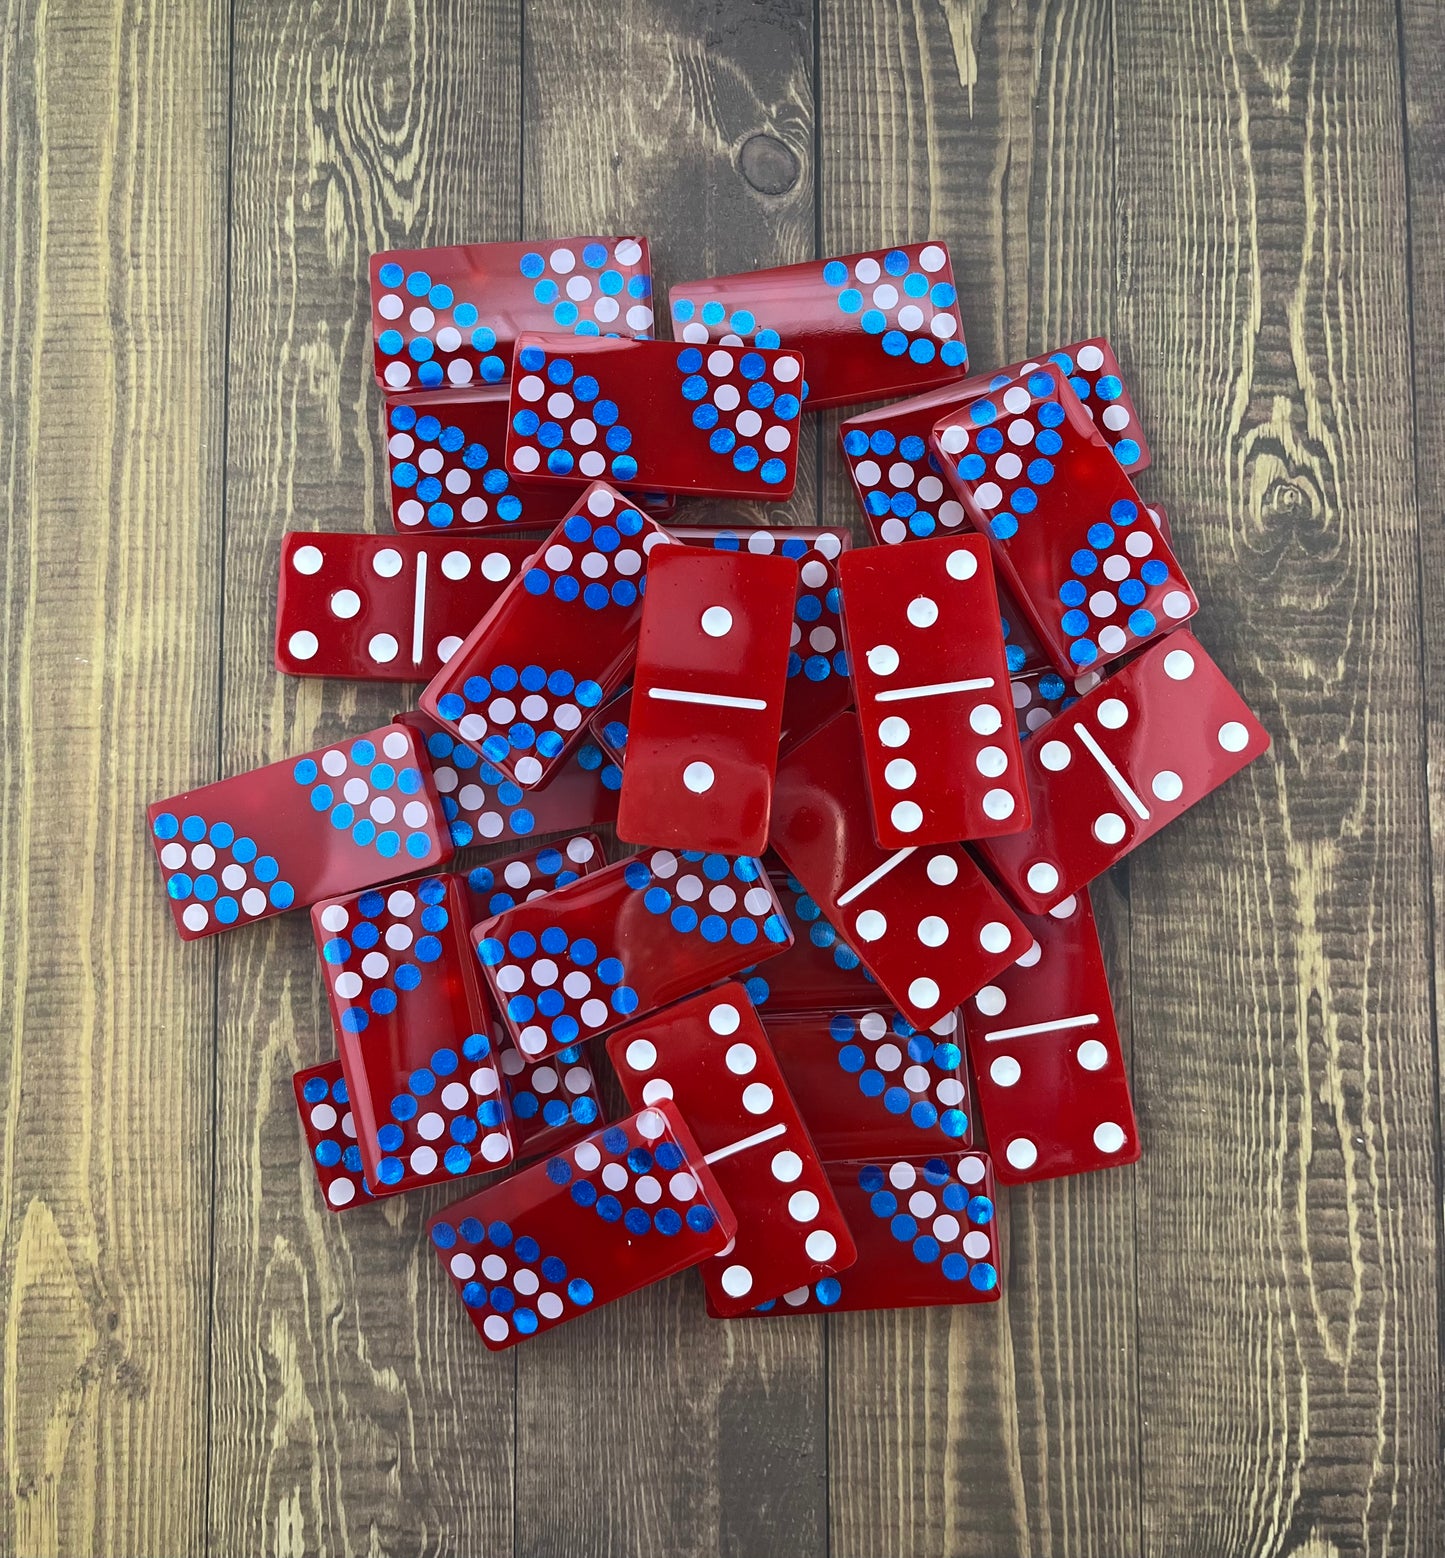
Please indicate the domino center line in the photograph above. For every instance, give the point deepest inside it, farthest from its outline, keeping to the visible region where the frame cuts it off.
(933, 690)
(713, 700)
(1060, 1025)
(745, 1143)
(1111, 773)
(876, 875)
(418, 611)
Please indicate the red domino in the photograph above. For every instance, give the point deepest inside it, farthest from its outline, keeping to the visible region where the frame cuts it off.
(939, 741)
(1045, 1049)
(707, 701)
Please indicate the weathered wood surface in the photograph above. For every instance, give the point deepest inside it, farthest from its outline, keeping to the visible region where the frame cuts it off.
(1234, 1348)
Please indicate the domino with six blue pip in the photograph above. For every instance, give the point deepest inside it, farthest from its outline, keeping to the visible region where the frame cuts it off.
(578, 604)
(291, 833)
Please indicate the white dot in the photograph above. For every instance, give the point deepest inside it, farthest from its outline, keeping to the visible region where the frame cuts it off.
(885, 295)
(737, 1281)
(387, 562)
(1108, 1137)
(777, 437)
(641, 1055)
(1092, 1055)
(1179, 665)
(341, 1191)
(933, 931)
(990, 1000)
(961, 564)
(882, 659)
(333, 762)
(253, 901)
(786, 1167)
(870, 925)
(1089, 358)
(985, 719)
(820, 1245)
(900, 474)
(900, 774)
(173, 857)
(953, 439)
(1113, 713)
(698, 777)
(995, 937)
(1021, 1153)
(1177, 605)
(988, 495)
(757, 1098)
(741, 1059)
(1008, 465)
(1116, 569)
(1112, 639)
(1016, 399)
(1054, 756)
(1042, 877)
(785, 369)
(894, 731)
(943, 870)
(867, 473)
(717, 621)
(719, 363)
(1233, 737)
(724, 1018)
(998, 804)
(1021, 431)
(1109, 828)
(1138, 543)
(303, 645)
(991, 762)
(1004, 1071)
(802, 1206)
(397, 375)
(907, 816)
(933, 257)
(923, 993)
(1167, 785)
(390, 306)
(922, 612)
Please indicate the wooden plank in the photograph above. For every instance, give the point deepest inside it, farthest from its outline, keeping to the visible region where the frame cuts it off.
(1288, 1277)
(112, 275)
(649, 1428)
(1011, 1429)
(353, 1407)
(1421, 22)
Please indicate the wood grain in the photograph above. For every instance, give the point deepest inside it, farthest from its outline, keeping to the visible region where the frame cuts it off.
(353, 1408)
(1012, 1430)
(648, 1428)
(1421, 23)
(1235, 1347)
(112, 276)
(1287, 1256)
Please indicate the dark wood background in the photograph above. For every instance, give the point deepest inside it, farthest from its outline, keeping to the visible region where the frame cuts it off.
(1232, 1349)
